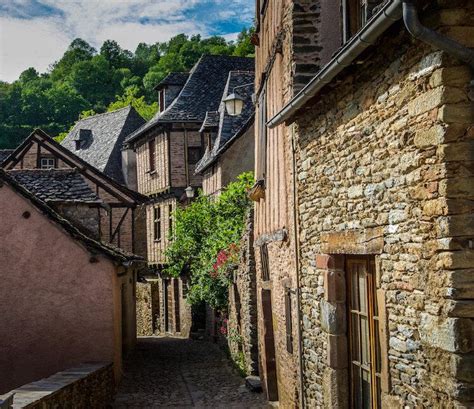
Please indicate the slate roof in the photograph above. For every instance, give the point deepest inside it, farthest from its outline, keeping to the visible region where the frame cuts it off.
(232, 127)
(5, 153)
(55, 185)
(94, 246)
(173, 78)
(211, 121)
(104, 136)
(202, 92)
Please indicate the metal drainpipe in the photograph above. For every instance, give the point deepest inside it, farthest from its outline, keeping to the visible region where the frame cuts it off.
(297, 265)
(429, 36)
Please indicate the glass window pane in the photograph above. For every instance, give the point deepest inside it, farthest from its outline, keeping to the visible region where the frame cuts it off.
(363, 289)
(366, 395)
(355, 337)
(364, 338)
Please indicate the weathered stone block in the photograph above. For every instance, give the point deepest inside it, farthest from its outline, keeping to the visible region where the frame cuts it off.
(435, 98)
(337, 352)
(456, 113)
(334, 286)
(336, 388)
(430, 137)
(454, 76)
(449, 334)
(333, 318)
(461, 151)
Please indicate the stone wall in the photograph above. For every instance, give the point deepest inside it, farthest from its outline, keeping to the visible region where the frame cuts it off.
(385, 167)
(148, 308)
(85, 387)
(242, 324)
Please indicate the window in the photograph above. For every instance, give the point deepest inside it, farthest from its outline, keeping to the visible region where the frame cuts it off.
(152, 155)
(194, 154)
(288, 320)
(47, 163)
(161, 95)
(170, 221)
(157, 223)
(262, 136)
(264, 262)
(356, 13)
(364, 340)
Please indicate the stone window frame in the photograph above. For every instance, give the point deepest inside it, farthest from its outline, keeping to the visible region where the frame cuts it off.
(336, 247)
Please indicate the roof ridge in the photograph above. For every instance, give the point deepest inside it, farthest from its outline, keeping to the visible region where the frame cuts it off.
(104, 113)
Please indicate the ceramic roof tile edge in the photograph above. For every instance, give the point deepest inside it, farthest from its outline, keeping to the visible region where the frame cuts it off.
(130, 193)
(91, 244)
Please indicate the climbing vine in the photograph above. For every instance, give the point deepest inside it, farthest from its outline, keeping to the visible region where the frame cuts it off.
(206, 239)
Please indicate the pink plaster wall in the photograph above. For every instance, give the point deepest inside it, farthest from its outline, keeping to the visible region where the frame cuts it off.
(56, 308)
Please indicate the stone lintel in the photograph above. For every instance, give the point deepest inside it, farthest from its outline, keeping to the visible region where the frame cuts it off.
(360, 241)
(277, 235)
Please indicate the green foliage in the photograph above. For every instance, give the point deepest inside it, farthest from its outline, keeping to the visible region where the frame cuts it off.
(207, 233)
(147, 111)
(85, 80)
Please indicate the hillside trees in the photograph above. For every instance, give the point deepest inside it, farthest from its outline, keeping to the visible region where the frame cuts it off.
(86, 79)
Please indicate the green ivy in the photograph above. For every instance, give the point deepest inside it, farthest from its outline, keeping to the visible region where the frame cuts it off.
(203, 230)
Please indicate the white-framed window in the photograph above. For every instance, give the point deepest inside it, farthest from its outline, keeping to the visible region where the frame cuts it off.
(47, 163)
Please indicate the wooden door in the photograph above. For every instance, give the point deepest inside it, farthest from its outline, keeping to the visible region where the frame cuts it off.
(271, 378)
(364, 344)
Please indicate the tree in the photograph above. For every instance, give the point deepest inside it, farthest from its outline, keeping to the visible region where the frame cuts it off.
(244, 46)
(206, 239)
(130, 98)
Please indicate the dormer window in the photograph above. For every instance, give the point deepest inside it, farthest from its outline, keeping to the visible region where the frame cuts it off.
(82, 138)
(48, 162)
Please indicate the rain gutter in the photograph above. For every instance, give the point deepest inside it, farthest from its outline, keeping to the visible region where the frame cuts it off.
(380, 22)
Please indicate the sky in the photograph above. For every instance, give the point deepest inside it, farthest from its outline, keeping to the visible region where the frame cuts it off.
(35, 33)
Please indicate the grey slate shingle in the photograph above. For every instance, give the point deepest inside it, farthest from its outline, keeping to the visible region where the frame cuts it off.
(202, 92)
(64, 185)
(103, 144)
(173, 78)
(231, 127)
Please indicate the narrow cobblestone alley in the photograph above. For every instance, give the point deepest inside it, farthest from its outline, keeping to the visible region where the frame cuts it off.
(180, 373)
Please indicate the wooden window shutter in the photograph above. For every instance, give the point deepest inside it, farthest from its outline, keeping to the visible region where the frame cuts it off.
(262, 135)
(288, 322)
(264, 262)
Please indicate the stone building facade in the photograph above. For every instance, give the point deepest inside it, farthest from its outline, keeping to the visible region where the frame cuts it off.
(384, 200)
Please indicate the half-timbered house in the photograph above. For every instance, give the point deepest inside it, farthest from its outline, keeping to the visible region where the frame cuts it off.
(100, 206)
(168, 149)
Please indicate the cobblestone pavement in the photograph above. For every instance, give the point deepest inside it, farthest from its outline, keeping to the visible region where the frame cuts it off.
(180, 373)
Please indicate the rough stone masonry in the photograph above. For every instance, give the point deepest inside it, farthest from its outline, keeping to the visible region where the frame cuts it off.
(385, 168)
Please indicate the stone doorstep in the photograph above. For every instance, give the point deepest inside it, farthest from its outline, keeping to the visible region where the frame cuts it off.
(253, 383)
(35, 391)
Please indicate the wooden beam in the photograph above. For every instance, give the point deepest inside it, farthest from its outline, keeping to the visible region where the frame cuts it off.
(84, 170)
(119, 225)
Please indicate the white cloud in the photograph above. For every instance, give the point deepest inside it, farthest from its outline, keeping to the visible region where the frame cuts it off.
(28, 38)
(24, 44)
